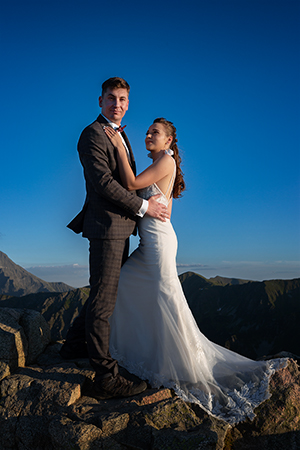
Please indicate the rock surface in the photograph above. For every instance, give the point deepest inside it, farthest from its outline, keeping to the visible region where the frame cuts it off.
(46, 405)
(24, 334)
(59, 308)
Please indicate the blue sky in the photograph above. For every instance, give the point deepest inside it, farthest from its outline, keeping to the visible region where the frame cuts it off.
(225, 72)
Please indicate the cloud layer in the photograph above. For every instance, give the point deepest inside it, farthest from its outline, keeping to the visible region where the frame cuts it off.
(78, 275)
(246, 270)
(74, 275)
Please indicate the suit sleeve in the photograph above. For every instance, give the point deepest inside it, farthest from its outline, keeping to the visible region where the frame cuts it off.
(93, 151)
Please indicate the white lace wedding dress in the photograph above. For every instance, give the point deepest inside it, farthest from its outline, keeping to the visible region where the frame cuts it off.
(154, 334)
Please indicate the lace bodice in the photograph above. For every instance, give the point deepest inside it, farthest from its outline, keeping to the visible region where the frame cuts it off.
(151, 190)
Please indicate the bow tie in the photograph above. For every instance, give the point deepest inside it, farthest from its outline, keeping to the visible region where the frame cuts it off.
(120, 129)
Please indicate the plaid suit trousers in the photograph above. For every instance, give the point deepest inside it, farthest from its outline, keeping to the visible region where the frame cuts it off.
(92, 325)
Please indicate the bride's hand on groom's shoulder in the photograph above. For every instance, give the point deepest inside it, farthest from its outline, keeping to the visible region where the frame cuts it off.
(156, 209)
(114, 137)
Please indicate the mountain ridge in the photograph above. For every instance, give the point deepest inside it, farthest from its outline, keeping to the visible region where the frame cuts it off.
(16, 281)
(255, 318)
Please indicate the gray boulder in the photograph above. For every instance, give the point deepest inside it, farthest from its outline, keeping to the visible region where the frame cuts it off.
(24, 334)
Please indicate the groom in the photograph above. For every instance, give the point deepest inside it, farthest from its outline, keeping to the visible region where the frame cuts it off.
(107, 219)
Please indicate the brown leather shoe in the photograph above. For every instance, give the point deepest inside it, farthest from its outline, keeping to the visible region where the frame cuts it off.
(118, 386)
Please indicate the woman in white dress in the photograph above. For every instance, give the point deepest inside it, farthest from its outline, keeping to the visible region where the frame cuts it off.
(153, 332)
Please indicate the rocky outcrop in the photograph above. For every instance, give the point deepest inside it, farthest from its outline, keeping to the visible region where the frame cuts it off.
(277, 424)
(47, 405)
(24, 334)
(59, 308)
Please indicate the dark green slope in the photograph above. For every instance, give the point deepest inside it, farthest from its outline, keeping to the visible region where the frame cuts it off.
(254, 318)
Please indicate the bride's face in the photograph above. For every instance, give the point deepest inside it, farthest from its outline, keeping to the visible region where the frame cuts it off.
(156, 138)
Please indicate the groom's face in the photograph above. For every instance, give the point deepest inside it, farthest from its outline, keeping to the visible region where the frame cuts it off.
(114, 104)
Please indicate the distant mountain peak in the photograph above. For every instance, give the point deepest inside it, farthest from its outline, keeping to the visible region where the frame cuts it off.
(14, 280)
(4, 260)
(223, 281)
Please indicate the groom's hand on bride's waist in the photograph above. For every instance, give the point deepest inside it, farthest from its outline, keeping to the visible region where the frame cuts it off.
(156, 209)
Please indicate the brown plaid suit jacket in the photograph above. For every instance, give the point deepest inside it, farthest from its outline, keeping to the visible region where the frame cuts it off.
(109, 210)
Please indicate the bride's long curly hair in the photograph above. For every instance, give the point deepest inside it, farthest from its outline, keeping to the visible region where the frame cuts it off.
(179, 184)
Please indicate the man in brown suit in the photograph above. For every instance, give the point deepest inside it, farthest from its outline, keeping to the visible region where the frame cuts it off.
(107, 219)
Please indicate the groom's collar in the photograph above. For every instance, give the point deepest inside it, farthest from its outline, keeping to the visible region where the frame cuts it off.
(113, 125)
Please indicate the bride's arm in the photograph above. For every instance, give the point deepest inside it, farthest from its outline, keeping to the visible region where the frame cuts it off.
(155, 172)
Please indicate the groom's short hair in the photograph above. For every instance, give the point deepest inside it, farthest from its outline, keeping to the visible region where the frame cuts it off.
(115, 83)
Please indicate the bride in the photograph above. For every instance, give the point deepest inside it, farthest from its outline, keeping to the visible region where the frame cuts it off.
(153, 332)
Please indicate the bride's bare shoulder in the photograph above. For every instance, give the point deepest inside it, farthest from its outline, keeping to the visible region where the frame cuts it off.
(167, 161)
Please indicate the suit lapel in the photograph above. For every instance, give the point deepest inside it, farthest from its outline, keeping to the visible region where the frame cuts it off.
(102, 119)
(132, 160)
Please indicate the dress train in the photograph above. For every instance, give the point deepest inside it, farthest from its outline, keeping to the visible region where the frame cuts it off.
(155, 336)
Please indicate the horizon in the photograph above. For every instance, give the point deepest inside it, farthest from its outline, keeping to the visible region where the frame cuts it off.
(76, 276)
(225, 72)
